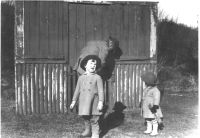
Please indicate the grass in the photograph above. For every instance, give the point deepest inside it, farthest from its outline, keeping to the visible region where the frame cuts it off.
(180, 119)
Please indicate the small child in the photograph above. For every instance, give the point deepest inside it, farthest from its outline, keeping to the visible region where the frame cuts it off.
(89, 91)
(151, 110)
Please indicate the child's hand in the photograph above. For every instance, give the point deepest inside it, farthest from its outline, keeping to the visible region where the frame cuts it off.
(154, 108)
(72, 104)
(100, 105)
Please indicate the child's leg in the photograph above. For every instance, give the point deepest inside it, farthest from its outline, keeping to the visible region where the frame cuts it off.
(149, 125)
(155, 128)
(87, 131)
(95, 126)
(160, 125)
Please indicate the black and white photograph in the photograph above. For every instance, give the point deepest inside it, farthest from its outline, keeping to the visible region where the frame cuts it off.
(99, 69)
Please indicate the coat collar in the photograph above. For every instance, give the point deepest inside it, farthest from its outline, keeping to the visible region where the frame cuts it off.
(85, 73)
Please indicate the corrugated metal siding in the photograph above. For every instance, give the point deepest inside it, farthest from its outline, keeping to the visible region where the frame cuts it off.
(48, 88)
(44, 88)
(127, 85)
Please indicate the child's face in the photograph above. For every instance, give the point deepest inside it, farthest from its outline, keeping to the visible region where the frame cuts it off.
(91, 66)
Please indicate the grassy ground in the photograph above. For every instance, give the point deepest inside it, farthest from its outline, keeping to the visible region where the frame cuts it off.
(180, 119)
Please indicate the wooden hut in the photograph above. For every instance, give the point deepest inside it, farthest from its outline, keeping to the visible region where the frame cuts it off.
(49, 36)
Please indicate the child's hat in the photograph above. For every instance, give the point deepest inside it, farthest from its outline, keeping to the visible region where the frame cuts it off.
(149, 78)
(94, 57)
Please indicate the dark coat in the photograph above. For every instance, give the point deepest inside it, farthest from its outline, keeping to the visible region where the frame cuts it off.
(89, 91)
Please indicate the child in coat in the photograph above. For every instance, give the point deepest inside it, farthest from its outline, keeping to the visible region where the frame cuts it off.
(89, 93)
(151, 110)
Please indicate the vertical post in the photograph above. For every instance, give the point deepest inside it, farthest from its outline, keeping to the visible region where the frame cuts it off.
(65, 88)
(45, 81)
(69, 86)
(19, 30)
(49, 88)
(153, 39)
(19, 46)
(61, 89)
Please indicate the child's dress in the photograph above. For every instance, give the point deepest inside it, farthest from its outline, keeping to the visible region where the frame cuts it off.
(151, 96)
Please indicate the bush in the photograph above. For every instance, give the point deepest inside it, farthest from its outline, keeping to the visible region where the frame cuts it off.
(177, 45)
(168, 73)
(188, 83)
(173, 79)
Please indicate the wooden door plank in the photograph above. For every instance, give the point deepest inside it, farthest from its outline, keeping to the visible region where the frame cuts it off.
(65, 30)
(116, 21)
(124, 45)
(143, 31)
(72, 33)
(44, 30)
(98, 22)
(81, 34)
(90, 25)
(27, 29)
(133, 45)
(60, 8)
(106, 22)
(53, 29)
(34, 29)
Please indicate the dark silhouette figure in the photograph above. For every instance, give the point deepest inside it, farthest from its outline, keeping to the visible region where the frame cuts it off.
(113, 119)
(113, 54)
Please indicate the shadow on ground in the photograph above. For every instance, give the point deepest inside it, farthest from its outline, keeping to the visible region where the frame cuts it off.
(113, 119)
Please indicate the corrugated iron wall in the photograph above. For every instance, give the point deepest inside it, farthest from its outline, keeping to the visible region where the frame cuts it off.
(127, 86)
(44, 88)
(48, 88)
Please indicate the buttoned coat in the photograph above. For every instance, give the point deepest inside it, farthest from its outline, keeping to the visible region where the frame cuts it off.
(88, 92)
(151, 96)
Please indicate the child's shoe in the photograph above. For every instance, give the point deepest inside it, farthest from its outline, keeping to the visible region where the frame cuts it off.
(87, 132)
(149, 127)
(155, 128)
